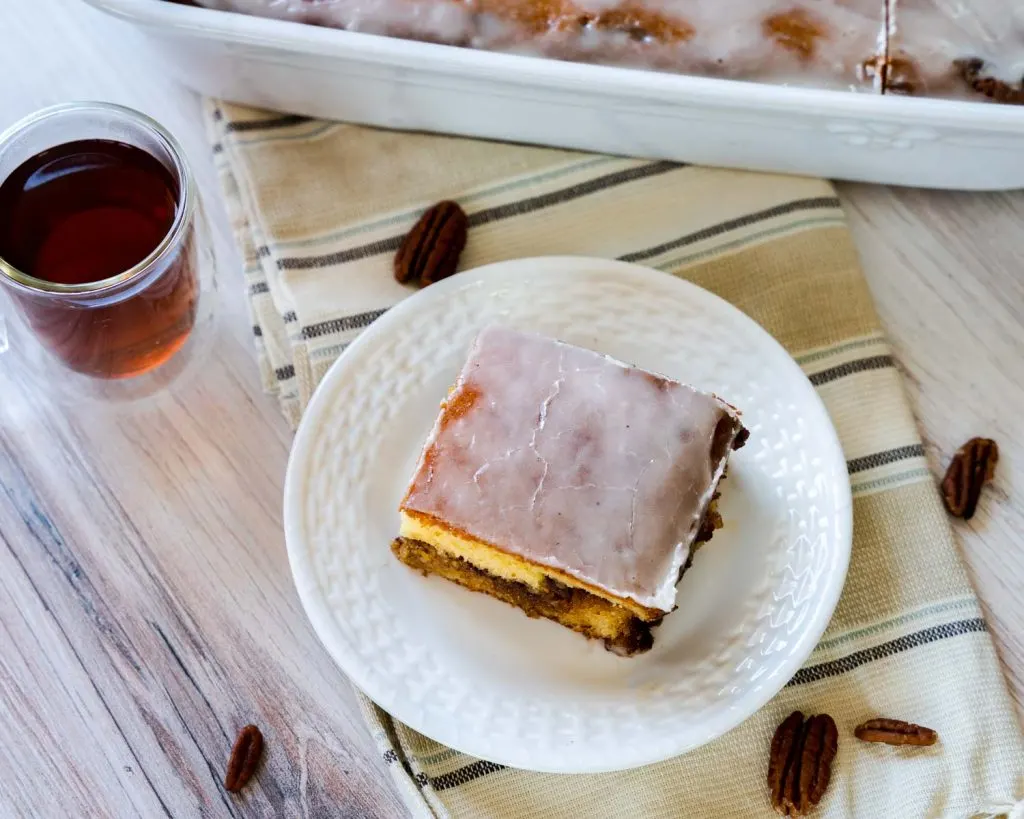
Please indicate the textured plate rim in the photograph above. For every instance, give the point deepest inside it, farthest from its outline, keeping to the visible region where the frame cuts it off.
(320, 613)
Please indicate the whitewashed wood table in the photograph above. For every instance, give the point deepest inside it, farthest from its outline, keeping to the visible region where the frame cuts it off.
(146, 607)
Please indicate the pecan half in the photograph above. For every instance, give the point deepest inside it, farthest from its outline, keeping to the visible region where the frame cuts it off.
(245, 756)
(430, 251)
(796, 30)
(972, 72)
(895, 732)
(898, 74)
(821, 743)
(902, 76)
(973, 466)
(781, 757)
(800, 764)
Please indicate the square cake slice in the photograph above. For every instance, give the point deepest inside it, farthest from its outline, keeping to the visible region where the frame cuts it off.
(568, 484)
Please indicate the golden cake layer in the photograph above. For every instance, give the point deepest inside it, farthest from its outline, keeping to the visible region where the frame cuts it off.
(623, 626)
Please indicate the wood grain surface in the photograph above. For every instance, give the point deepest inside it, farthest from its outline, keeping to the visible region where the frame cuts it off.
(147, 612)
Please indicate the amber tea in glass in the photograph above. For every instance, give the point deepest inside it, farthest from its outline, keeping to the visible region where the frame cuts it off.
(98, 245)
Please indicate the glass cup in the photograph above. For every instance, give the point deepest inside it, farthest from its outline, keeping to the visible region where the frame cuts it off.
(129, 332)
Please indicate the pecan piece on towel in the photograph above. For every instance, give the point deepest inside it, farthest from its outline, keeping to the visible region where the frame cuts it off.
(800, 764)
(895, 732)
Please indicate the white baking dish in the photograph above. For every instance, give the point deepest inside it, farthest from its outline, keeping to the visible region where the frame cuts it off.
(402, 84)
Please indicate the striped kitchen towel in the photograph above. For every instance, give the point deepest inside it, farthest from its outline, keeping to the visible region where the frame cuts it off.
(319, 209)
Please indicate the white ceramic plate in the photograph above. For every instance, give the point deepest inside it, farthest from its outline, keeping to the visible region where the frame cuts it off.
(480, 676)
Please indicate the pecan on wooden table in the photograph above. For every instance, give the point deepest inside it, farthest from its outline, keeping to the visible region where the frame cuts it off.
(245, 756)
(973, 466)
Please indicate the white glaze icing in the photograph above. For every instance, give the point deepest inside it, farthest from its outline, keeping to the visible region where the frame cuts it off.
(729, 40)
(575, 461)
(728, 36)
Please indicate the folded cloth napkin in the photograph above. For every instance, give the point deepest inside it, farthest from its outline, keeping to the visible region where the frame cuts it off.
(319, 209)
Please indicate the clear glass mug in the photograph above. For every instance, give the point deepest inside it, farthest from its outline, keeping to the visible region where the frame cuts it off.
(134, 331)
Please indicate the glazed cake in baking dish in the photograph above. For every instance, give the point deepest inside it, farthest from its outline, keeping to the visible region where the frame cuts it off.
(951, 48)
(568, 484)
